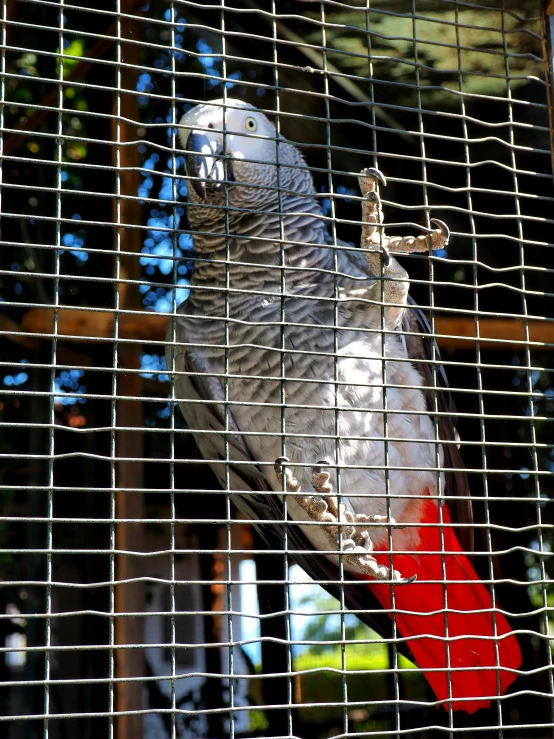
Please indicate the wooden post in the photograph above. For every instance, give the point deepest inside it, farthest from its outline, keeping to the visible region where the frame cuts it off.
(271, 599)
(210, 570)
(129, 411)
(129, 538)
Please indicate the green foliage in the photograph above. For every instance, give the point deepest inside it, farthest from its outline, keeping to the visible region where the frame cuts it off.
(355, 667)
(442, 48)
(71, 56)
(325, 624)
(324, 680)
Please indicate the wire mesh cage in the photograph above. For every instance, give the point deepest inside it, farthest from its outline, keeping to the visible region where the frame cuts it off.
(188, 302)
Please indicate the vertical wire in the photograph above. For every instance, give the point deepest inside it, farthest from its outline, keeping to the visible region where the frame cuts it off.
(51, 445)
(115, 364)
(478, 362)
(528, 374)
(433, 367)
(386, 469)
(283, 366)
(336, 378)
(228, 568)
(393, 651)
(3, 45)
(171, 369)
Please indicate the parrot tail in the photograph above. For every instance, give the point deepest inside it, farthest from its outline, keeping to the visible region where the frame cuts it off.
(480, 653)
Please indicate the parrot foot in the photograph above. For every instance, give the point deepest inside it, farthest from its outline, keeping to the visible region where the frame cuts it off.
(355, 543)
(373, 234)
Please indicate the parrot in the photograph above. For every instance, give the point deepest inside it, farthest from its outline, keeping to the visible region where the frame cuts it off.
(304, 371)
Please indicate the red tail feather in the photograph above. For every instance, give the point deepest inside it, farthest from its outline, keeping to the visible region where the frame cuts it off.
(471, 595)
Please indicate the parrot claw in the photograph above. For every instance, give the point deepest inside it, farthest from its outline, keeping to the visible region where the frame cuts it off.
(385, 255)
(374, 174)
(285, 476)
(443, 229)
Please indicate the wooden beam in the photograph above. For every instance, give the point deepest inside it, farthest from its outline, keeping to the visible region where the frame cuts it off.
(12, 331)
(494, 333)
(87, 326)
(452, 332)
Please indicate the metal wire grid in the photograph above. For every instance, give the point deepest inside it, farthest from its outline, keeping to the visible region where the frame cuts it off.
(320, 106)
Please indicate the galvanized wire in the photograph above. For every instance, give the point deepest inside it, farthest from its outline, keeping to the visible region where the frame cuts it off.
(129, 583)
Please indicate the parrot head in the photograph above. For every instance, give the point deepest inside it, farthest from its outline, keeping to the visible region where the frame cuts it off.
(229, 144)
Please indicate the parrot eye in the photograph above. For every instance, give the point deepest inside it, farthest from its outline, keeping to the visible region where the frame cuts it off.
(251, 124)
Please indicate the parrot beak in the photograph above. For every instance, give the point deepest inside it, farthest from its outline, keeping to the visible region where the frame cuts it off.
(204, 164)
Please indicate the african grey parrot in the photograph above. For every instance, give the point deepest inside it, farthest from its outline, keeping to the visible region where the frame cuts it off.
(280, 344)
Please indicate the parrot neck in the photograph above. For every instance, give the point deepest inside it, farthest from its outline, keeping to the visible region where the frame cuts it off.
(256, 242)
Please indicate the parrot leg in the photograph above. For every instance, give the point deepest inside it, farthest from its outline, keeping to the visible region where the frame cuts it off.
(356, 539)
(378, 247)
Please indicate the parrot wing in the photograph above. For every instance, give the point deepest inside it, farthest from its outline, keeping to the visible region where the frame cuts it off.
(203, 394)
(258, 501)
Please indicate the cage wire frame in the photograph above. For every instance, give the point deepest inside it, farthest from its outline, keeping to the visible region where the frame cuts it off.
(123, 606)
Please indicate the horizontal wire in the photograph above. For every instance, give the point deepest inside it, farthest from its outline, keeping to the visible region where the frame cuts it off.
(266, 616)
(330, 552)
(342, 5)
(240, 521)
(418, 207)
(245, 676)
(158, 374)
(305, 704)
(60, 648)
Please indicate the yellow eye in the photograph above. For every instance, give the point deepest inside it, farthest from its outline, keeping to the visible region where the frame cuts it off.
(251, 124)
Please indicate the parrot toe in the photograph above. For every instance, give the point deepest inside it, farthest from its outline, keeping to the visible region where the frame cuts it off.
(443, 231)
(320, 479)
(285, 476)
